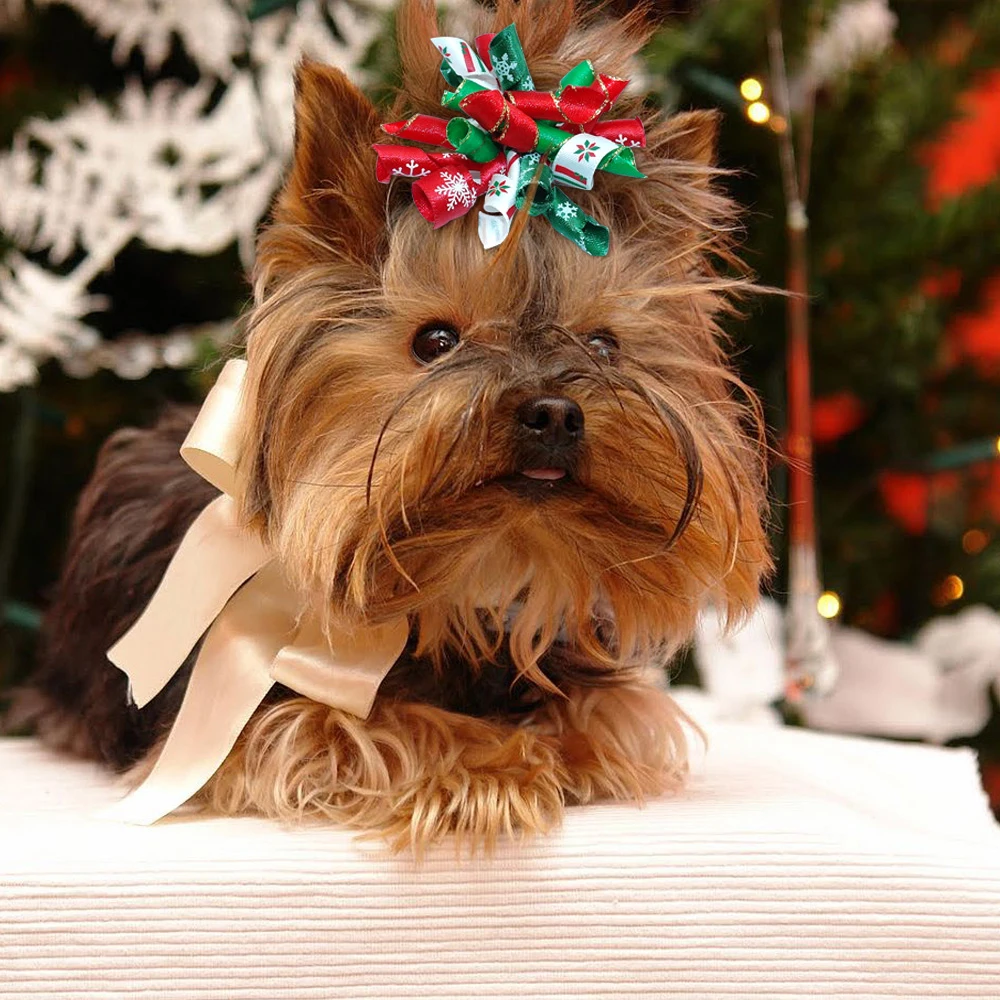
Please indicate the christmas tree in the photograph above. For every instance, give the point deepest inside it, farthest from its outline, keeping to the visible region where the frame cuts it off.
(903, 206)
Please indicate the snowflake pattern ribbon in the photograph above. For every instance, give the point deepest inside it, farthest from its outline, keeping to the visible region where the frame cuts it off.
(513, 136)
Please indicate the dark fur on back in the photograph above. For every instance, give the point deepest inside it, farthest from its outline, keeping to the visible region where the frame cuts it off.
(128, 523)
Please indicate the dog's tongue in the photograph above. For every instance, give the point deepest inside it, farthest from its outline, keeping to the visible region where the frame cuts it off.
(549, 475)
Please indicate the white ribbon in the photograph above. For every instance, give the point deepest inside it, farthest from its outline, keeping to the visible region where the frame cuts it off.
(577, 160)
(499, 204)
(224, 578)
(464, 60)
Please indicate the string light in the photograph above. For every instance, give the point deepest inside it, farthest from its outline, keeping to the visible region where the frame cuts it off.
(951, 588)
(828, 604)
(996, 444)
(974, 541)
(751, 89)
(759, 113)
(778, 124)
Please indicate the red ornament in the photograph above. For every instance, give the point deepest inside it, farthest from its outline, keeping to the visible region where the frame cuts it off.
(941, 284)
(967, 153)
(14, 77)
(906, 498)
(985, 500)
(990, 771)
(835, 415)
(975, 337)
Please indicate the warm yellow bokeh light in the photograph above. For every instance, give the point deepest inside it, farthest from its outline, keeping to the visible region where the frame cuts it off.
(828, 604)
(778, 124)
(751, 89)
(952, 587)
(759, 113)
(997, 443)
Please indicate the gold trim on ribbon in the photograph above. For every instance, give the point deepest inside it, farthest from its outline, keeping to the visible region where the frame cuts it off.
(224, 579)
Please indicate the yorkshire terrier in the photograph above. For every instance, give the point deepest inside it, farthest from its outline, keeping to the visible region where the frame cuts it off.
(542, 458)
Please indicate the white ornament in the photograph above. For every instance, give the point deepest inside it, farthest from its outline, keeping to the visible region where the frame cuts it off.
(935, 689)
(17, 367)
(40, 312)
(966, 649)
(858, 32)
(743, 669)
(213, 34)
(456, 189)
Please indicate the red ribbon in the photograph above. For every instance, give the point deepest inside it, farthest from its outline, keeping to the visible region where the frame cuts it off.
(409, 162)
(577, 106)
(445, 185)
(421, 128)
(507, 124)
(624, 131)
(483, 48)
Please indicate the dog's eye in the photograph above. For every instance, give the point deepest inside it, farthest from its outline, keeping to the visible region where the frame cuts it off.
(433, 341)
(603, 344)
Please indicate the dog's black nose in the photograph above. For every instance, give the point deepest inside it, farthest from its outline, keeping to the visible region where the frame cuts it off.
(552, 420)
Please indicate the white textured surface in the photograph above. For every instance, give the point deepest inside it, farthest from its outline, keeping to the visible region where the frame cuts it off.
(796, 865)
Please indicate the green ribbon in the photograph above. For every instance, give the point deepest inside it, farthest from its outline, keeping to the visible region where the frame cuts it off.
(470, 139)
(261, 8)
(563, 214)
(506, 52)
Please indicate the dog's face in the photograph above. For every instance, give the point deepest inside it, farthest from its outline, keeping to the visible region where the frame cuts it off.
(525, 439)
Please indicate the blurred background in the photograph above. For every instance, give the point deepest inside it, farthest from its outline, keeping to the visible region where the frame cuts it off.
(142, 140)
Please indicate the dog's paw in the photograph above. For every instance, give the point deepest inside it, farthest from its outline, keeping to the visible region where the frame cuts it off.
(512, 787)
(626, 743)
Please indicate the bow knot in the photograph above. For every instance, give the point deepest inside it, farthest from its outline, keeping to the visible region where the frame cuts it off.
(511, 136)
(224, 583)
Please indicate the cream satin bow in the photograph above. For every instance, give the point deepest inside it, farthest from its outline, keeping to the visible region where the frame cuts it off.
(260, 632)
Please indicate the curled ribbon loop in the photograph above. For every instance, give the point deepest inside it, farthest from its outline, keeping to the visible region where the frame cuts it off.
(224, 578)
(556, 134)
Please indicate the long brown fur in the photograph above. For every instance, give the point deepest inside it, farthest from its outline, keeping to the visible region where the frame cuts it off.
(380, 481)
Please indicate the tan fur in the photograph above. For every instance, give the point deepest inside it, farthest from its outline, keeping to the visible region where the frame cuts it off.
(376, 478)
(413, 773)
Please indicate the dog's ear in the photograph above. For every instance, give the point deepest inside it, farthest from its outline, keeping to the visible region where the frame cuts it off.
(331, 194)
(689, 137)
(680, 202)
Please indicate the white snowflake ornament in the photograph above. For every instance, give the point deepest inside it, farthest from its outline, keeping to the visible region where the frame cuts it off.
(410, 169)
(189, 169)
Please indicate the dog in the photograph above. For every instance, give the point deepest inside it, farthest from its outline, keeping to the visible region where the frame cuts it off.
(543, 459)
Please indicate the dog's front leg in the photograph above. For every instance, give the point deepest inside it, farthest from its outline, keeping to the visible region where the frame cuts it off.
(411, 773)
(621, 741)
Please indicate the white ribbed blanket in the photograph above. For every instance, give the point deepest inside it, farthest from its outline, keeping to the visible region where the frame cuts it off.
(796, 865)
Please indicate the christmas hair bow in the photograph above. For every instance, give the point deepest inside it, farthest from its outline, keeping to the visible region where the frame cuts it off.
(513, 136)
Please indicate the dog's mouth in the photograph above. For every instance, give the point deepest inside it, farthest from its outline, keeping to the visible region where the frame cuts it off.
(550, 474)
(538, 481)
